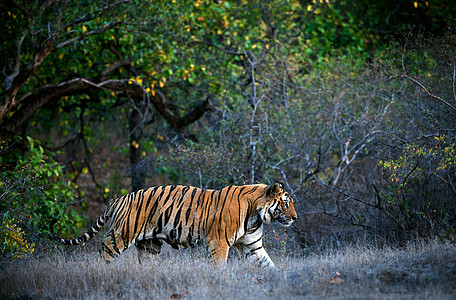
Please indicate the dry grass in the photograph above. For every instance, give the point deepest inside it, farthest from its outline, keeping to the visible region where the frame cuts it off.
(422, 270)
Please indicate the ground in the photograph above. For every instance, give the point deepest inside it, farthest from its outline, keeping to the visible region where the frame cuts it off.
(422, 270)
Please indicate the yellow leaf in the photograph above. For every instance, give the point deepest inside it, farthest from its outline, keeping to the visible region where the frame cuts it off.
(85, 170)
(415, 4)
(61, 56)
(152, 92)
(161, 84)
(106, 190)
(84, 28)
(309, 7)
(148, 90)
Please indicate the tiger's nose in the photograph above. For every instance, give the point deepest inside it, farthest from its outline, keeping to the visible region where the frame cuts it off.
(294, 218)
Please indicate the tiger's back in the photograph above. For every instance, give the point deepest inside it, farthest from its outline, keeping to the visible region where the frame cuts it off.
(183, 215)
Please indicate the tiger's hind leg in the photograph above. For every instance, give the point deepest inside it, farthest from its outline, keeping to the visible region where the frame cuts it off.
(148, 249)
(112, 246)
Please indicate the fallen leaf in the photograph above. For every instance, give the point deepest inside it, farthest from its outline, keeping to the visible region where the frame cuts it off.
(182, 294)
(336, 279)
(256, 280)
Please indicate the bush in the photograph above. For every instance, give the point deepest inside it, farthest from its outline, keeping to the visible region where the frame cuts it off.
(33, 191)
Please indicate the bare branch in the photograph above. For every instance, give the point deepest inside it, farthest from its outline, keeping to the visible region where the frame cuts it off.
(427, 92)
(345, 193)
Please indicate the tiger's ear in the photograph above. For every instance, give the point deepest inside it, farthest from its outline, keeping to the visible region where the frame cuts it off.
(274, 188)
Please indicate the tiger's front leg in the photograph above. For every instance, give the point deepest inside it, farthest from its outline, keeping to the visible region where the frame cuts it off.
(255, 252)
(261, 257)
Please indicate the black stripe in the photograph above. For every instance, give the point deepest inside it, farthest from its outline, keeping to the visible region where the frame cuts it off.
(189, 209)
(180, 202)
(159, 224)
(179, 232)
(205, 215)
(256, 249)
(143, 226)
(119, 211)
(107, 250)
(138, 213)
(136, 199)
(151, 213)
(255, 226)
(215, 207)
(168, 213)
(114, 242)
(224, 202)
(250, 244)
(171, 189)
(227, 239)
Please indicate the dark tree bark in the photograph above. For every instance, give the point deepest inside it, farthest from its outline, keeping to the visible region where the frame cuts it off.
(136, 134)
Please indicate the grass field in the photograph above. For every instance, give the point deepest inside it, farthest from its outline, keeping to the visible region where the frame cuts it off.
(424, 270)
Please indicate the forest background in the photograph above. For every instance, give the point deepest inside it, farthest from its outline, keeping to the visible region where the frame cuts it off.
(351, 104)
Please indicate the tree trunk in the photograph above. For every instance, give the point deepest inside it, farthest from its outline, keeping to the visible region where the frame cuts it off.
(136, 132)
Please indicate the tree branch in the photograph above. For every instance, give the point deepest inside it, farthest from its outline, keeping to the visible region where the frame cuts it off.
(83, 36)
(428, 92)
(35, 100)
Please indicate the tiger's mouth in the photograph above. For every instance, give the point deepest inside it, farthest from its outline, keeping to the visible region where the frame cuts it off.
(287, 223)
(284, 221)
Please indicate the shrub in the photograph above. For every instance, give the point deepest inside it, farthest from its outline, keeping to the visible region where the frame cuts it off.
(33, 191)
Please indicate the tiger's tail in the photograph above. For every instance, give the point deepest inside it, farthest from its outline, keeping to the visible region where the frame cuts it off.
(83, 238)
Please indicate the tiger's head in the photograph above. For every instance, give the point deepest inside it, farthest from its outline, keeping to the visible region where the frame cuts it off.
(278, 206)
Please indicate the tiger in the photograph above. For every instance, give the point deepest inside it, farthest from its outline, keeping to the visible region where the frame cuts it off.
(181, 216)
